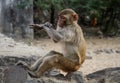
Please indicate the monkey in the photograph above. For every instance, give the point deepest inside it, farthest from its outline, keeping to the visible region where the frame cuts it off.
(70, 35)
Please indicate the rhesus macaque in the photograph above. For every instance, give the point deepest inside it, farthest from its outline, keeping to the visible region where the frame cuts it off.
(70, 35)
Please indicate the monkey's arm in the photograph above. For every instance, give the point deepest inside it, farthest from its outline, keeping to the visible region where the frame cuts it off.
(63, 35)
(51, 32)
(56, 36)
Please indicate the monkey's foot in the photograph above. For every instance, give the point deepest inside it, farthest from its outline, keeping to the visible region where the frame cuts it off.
(68, 76)
(32, 74)
(19, 63)
(22, 64)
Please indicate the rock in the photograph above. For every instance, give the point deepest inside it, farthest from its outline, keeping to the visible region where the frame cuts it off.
(14, 74)
(33, 81)
(78, 77)
(117, 51)
(109, 75)
(1, 70)
(2, 63)
(98, 51)
(11, 60)
(89, 55)
(1, 80)
(75, 77)
(108, 51)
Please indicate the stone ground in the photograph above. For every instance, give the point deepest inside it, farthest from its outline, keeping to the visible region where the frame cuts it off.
(102, 53)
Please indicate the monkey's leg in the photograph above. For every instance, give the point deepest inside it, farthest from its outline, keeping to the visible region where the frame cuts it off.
(57, 61)
(66, 64)
(28, 67)
(23, 64)
(35, 66)
(47, 63)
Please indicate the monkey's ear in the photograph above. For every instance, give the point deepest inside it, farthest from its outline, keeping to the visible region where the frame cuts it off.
(75, 17)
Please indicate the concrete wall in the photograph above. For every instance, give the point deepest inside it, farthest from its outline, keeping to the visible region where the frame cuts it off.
(15, 16)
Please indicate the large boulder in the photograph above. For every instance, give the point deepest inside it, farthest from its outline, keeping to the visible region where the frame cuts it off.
(75, 77)
(9, 73)
(14, 74)
(109, 75)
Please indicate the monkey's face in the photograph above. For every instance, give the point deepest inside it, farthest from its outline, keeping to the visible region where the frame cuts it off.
(61, 21)
(67, 17)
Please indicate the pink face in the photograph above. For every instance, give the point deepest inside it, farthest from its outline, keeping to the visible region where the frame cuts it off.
(61, 21)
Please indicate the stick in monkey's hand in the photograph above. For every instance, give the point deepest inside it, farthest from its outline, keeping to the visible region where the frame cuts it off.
(36, 25)
(47, 24)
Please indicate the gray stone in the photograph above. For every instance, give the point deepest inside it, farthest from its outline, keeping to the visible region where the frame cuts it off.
(108, 51)
(2, 63)
(14, 74)
(78, 77)
(1, 76)
(74, 77)
(98, 51)
(1, 81)
(11, 60)
(109, 75)
(31, 81)
(117, 51)
(1, 70)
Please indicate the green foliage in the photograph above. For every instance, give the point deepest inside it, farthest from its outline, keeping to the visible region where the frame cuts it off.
(46, 4)
(23, 4)
(106, 11)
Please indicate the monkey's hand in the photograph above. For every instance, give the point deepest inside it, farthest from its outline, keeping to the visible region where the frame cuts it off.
(22, 64)
(47, 25)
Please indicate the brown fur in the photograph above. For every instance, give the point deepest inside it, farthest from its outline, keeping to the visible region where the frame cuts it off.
(71, 36)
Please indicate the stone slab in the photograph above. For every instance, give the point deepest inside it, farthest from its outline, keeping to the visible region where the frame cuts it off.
(14, 74)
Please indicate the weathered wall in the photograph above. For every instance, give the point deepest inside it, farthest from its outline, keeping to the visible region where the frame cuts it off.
(15, 16)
